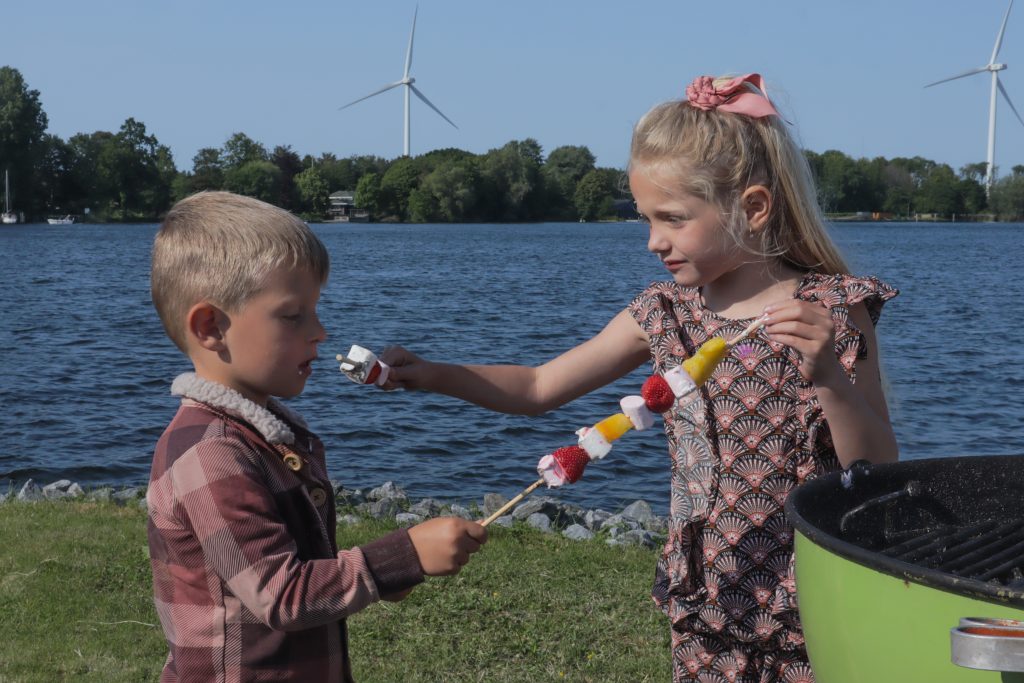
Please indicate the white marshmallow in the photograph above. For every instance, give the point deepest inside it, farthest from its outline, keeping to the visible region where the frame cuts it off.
(552, 472)
(365, 359)
(637, 412)
(593, 442)
(680, 381)
(383, 376)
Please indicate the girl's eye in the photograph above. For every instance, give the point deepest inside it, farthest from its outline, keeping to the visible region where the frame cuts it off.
(293, 318)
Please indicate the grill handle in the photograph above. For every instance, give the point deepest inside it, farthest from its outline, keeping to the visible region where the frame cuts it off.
(912, 489)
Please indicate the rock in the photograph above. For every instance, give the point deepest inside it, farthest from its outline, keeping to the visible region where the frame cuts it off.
(129, 494)
(428, 507)
(639, 510)
(539, 521)
(386, 508)
(348, 519)
(57, 490)
(593, 519)
(657, 525)
(461, 511)
(634, 538)
(30, 493)
(503, 521)
(387, 490)
(493, 503)
(578, 532)
(101, 495)
(75, 491)
(619, 522)
(407, 519)
(349, 497)
(560, 515)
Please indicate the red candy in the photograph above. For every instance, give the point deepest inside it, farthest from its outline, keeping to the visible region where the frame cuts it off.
(572, 460)
(658, 396)
(374, 374)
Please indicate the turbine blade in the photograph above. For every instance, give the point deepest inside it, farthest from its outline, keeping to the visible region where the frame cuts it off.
(431, 105)
(999, 38)
(412, 34)
(1008, 100)
(375, 92)
(979, 70)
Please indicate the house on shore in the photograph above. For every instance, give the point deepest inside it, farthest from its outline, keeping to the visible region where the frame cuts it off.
(343, 208)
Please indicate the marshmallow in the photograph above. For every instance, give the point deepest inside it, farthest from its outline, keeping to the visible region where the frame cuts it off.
(636, 410)
(680, 381)
(552, 472)
(593, 443)
(359, 364)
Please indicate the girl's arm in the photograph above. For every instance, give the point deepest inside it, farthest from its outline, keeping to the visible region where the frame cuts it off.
(519, 389)
(856, 412)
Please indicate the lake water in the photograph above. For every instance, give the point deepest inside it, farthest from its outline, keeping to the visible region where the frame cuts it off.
(87, 368)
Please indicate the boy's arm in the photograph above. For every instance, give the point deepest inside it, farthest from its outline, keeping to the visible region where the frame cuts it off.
(619, 348)
(248, 545)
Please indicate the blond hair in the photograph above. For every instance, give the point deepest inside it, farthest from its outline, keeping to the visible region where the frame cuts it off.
(716, 155)
(220, 248)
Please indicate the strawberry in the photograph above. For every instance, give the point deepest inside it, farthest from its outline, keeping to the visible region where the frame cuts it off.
(658, 396)
(572, 460)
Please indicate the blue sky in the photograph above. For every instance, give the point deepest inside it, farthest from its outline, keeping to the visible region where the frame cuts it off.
(849, 75)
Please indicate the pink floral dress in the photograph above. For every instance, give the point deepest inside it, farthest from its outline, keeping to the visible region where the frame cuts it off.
(725, 577)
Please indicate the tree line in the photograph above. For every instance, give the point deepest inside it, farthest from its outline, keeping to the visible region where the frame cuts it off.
(129, 175)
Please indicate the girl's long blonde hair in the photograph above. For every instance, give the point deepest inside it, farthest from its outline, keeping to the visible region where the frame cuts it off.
(716, 155)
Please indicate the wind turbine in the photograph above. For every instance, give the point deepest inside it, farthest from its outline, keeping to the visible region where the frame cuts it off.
(407, 81)
(994, 68)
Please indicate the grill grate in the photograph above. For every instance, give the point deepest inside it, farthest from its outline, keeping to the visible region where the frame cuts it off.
(990, 551)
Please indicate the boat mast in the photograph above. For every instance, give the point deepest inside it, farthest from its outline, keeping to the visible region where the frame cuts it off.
(7, 192)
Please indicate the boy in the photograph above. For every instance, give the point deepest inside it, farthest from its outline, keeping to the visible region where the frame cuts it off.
(248, 581)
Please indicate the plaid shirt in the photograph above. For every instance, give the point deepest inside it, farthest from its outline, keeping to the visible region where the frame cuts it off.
(247, 578)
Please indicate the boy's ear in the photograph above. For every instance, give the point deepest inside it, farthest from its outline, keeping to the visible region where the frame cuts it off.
(757, 206)
(206, 325)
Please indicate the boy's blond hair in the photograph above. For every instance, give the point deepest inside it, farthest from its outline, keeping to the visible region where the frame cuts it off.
(220, 248)
(716, 155)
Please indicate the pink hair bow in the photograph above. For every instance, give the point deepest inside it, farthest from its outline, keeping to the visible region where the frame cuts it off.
(733, 95)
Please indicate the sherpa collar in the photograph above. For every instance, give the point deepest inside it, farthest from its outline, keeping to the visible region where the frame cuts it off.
(270, 426)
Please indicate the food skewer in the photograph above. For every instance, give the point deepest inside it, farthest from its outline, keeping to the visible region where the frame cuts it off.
(508, 506)
(659, 394)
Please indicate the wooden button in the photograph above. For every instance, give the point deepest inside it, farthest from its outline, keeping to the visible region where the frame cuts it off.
(318, 496)
(293, 462)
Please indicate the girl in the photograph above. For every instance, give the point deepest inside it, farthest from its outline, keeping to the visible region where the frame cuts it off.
(732, 213)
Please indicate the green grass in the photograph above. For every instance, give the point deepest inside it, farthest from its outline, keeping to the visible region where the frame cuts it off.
(76, 604)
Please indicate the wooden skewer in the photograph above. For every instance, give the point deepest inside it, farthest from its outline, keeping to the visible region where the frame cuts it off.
(356, 365)
(751, 328)
(505, 508)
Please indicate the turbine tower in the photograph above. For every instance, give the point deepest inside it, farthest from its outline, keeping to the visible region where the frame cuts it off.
(994, 68)
(406, 81)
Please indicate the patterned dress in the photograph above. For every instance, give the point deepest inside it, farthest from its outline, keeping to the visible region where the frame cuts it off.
(725, 577)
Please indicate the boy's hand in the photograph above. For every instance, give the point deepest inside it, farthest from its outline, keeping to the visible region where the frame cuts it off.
(407, 369)
(808, 328)
(444, 544)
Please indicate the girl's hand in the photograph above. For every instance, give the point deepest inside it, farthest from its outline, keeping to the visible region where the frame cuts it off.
(806, 327)
(407, 369)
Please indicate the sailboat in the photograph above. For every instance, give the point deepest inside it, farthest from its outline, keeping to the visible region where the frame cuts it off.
(8, 217)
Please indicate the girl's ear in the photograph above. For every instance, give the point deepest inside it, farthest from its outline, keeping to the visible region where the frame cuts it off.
(206, 325)
(757, 206)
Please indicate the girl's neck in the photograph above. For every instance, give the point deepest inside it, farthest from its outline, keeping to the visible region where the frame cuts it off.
(745, 291)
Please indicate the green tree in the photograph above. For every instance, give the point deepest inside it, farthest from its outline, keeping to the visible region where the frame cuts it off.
(939, 192)
(1006, 198)
(594, 195)
(368, 194)
(207, 170)
(313, 193)
(259, 179)
(449, 193)
(23, 144)
(514, 189)
(290, 165)
(562, 171)
(241, 149)
(401, 178)
(135, 167)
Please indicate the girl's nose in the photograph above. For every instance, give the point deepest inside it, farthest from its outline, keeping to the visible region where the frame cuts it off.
(656, 241)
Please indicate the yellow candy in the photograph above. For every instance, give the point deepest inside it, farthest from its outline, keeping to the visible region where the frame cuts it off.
(703, 363)
(613, 427)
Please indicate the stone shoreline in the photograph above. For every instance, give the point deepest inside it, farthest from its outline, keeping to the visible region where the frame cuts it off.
(634, 525)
